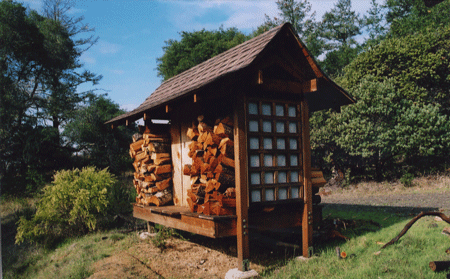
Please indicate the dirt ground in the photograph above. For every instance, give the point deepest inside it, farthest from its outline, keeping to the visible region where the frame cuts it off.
(180, 259)
(201, 257)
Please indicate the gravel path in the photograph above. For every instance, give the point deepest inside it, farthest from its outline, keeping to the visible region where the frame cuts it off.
(418, 201)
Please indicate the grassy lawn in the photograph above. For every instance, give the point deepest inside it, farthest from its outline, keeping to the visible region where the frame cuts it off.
(408, 258)
(368, 228)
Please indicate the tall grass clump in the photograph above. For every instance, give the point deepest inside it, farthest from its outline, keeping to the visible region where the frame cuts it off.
(75, 203)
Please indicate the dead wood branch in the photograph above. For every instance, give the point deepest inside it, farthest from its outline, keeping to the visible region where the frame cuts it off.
(408, 226)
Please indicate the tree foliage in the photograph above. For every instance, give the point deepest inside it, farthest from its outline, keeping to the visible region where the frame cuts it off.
(97, 143)
(76, 202)
(419, 65)
(399, 123)
(299, 14)
(40, 72)
(195, 48)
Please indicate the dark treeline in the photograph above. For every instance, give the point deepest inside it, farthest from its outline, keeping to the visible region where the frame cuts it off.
(394, 61)
(46, 125)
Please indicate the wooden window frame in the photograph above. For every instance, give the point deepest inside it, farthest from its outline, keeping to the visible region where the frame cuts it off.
(273, 118)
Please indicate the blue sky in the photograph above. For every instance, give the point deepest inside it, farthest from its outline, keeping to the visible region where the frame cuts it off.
(132, 34)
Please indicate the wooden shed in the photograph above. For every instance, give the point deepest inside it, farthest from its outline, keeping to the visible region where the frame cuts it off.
(267, 87)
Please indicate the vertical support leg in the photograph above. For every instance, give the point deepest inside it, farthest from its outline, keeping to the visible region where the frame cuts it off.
(307, 219)
(240, 154)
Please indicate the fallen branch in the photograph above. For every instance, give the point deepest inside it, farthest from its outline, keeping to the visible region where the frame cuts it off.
(438, 266)
(408, 226)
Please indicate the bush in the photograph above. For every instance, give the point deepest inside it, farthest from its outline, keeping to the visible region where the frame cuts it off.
(74, 204)
(407, 179)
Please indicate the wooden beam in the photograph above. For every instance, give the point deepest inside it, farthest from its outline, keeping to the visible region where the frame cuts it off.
(240, 151)
(145, 116)
(286, 86)
(168, 109)
(126, 122)
(195, 98)
(307, 220)
(260, 77)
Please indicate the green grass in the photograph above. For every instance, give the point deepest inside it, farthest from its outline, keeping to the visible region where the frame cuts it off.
(71, 259)
(408, 258)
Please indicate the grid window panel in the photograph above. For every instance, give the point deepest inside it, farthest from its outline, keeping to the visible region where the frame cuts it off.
(256, 195)
(267, 126)
(279, 110)
(274, 150)
(266, 109)
(253, 126)
(254, 143)
(253, 108)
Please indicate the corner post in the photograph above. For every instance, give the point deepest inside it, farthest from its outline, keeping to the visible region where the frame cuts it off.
(240, 151)
(307, 217)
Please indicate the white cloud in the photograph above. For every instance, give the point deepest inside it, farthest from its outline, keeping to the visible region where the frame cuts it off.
(87, 58)
(108, 48)
(245, 15)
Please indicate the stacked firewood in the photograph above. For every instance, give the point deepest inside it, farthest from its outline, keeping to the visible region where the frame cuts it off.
(153, 168)
(212, 189)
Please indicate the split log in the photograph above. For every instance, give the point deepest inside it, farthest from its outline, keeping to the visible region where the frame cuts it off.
(162, 198)
(203, 127)
(212, 185)
(162, 161)
(163, 169)
(192, 133)
(136, 137)
(439, 266)
(136, 146)
(223, 130)
(227, 162)
(226, 147)
(159, 147)
(187, 169)
(164, 184)
(156, 156)
(408, 226)
(140, 156)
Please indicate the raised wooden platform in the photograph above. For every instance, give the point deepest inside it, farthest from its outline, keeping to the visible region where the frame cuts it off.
(179, 217)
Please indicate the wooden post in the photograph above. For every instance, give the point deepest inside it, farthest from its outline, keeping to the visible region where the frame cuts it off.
(307, 220)
(240, 151)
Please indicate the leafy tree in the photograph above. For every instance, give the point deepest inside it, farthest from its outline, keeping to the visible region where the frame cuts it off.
(62, 83)
(341, 24)
(419, 66)
(298, 13)
(375, 23)
(195, 48)
(339, 28)
(383, 127)
(101, 145)
(39, 66)
(407, 17)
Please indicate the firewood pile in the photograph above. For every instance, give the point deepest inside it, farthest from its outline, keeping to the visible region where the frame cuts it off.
(153, 167)
(212, 189)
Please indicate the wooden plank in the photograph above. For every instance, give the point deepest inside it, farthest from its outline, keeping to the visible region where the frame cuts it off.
(240, 152)
(187, 223)
(286, 86)
(175, 134)
(307, 220)
(185, 159)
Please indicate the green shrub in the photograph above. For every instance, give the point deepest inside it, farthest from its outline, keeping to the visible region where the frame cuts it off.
(407, 179)
(75, 203)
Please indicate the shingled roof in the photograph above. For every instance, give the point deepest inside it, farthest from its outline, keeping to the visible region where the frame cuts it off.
(217, 67)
